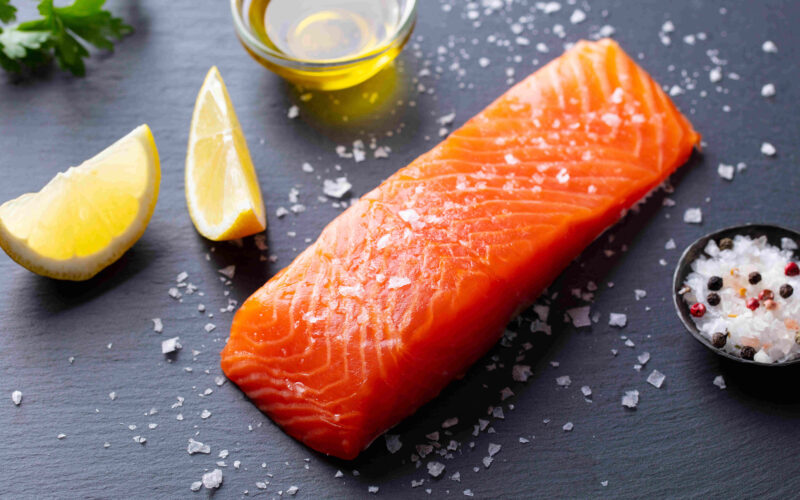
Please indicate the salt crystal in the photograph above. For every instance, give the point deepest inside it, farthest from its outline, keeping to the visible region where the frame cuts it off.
(586, 390)
(195, 486)
(563, 381)
(281, 212)
(487, 461)
(197, 447)
(668, 27)
(174, 293)
(630, 399)
(520, 373)
(768, 90)
(447, 119)
(16, 397)
(693, 216)
(450, 422)
(568, 427)
(497, 412)
(506, 393)
(170, 345)
(578, 16)
(630, 343)
(373, 489)
(338, 474)
(351, 291)
(511, 159)
(456, 476)
(435, 469)
(579, 316)
(228, 271)
(205, 414)
(468, 493)
(294, 111)
(158, 326)
(715, 75)
(788, 244)
(209, 327)
(292, 490)
(726, 171)
(494, 449)
(542, 47)
(112, 395)
(139, 439)
(483, 62)
(617, 319)
(656, 378)
(393, 443)
(336, 188)
(769, 47)
(307, 167)
(562, 176)
(639, 294)
(768, 149)
(398, 282)
(643, 358)
(719, 382)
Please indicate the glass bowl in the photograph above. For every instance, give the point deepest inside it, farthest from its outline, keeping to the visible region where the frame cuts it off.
(325, 75)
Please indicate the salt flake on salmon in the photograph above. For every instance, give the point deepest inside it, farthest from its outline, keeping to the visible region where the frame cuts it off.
(397, 318)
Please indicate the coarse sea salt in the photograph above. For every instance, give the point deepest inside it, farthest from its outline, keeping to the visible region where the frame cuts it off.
(656, 379)
(720, 382)
(726, 171)
(768, 149)
(579, 316)
(617, 319)
(772, 332)
(16, 397)
(630, 399)
(336, 188)
(693, 216)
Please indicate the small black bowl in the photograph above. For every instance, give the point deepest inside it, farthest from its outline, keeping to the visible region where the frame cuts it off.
(697, 249)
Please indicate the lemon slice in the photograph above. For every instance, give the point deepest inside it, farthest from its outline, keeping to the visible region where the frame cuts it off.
(87, 217)
(222, 190)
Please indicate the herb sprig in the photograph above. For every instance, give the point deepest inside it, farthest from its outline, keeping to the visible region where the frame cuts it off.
(61, 32)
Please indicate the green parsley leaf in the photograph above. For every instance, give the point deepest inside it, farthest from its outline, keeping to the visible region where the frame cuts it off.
(7, 11)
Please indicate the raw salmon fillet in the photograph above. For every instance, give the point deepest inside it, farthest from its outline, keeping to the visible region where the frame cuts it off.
(415, 282)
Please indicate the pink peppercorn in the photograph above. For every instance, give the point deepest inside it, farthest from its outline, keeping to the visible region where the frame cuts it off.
(752, 303)
(770, 304)
(791, 269)
(697, 310)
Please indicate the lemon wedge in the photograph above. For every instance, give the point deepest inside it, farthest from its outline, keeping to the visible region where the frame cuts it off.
(87, 217)
(222, 190)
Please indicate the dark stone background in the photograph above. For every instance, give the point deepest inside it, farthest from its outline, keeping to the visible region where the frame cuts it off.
(687, 439)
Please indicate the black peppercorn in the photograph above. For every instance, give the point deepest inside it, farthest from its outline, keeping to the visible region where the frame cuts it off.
(754, 277)
(714, 283)
(725, 244)
(713, 299)
(719, 339)
(786, 291)
(747, 352)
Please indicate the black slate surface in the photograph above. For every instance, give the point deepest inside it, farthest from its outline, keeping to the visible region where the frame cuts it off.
(687, 439)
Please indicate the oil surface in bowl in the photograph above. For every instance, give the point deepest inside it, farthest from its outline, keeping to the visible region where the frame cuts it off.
(324, 30)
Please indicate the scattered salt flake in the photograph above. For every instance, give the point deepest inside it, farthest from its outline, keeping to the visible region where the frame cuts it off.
(174, 293)
(542, 47)
(511, 159)
(494, 449)
(205, 414)
(338, 474)
(562, 176)
(197, 447)
(112, 395)
(768, 90)
(720, 382)
(450, 422)
(393, 443)
(170, 345)
(617, 319)
(447, 119)
(563, 381)
(435, 469)
(195, 486)
(398, 282)
(281, 212)
(497, 412)
(336, 188)
(586, 391)
(432, 436)
(158, 326)
(294, 112)
(16, 397)
(209, 327)
(524, 440)
(656, 378)
(351, 291)
(292, 490)
(768, 149)
(456, 476)
(228, 271)
(213, 479)
(580, 316)
(643, 358)
(629, 343)
(568, 427)
(307, 167)
(668, 27)
(604, 483)
(670, 244)
(487, 461)
(630, 399)
(726, 171)
(769, 47)
(506, 393)
(468, 493)
(577, 17)
(715, 75)
(639, 294)
(693, 216)
(373, 489)
(139, 439)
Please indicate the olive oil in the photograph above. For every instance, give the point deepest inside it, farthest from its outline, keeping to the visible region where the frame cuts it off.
(328, 44)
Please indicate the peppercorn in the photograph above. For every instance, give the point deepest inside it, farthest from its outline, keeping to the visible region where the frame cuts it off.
(714, 283)
(752, 303)
(766, 294)
(725, 244)
(697, 310)
(719, 339)
(791, 269)
(770, 304)
(797, 338)
(713, 299)
(754, 277)
(786, 291)
(747, 352)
